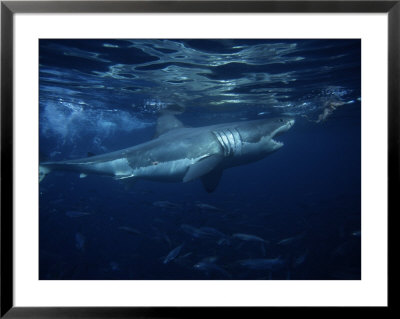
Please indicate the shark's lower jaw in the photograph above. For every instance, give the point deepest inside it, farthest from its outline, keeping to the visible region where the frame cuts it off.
(276, 143)
(280, 130)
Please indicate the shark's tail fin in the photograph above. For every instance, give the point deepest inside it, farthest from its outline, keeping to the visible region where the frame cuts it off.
(43, 171)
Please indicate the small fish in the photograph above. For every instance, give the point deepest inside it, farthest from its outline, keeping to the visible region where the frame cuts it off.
(190, 230)
(290, 240)
(224, 241)
(207, 233)
(215, 234)
(172, 254)
(194, 232)
(248, 237)
(252, 238)
(129, 230)
(207, 207)
(80, 241)
(76, 214)
(286, 241)
(211, 232)
(165, 204)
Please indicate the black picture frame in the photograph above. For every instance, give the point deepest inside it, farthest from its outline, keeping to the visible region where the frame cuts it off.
(9, 8)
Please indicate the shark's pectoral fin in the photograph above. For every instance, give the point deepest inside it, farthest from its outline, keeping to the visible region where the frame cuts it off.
(128, 183)
(211, 180)
(202, 167)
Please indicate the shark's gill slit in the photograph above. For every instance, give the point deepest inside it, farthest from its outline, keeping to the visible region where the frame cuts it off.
(223, 142)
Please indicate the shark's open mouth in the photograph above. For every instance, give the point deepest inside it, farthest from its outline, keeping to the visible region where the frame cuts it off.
(285, 127)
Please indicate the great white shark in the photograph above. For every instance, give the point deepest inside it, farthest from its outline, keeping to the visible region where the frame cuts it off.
(181, 154)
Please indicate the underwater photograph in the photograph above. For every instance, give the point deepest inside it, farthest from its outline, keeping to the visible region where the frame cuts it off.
(199, 159)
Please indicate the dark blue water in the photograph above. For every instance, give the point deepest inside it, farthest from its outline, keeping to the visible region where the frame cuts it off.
(303, 202)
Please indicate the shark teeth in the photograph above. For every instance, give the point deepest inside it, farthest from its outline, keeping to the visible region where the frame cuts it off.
(277, 142)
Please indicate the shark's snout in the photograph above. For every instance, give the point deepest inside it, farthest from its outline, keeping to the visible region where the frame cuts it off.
(286, 124)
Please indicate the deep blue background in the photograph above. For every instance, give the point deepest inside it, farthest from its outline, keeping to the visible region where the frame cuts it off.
(102, 95)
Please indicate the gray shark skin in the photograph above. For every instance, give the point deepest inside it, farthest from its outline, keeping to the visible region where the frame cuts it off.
(182, 154)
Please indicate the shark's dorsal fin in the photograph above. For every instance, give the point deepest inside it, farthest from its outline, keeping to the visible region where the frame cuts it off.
(165, 123)
(202, 167)
(211, 180)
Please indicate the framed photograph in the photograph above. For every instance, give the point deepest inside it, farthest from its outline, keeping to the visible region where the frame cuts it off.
(173, 158)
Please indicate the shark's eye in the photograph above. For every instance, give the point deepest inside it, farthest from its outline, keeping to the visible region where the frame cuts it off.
(280, 120)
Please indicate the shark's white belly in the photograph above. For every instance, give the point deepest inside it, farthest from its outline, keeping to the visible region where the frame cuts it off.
(118, 167)
(170, 171)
